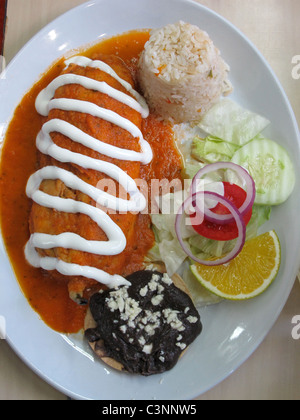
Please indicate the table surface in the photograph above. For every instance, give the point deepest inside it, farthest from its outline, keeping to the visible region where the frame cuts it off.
(273, 370)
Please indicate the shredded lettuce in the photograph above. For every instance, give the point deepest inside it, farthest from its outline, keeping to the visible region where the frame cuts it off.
(211, 149)
(232, 123)
(191, 169)
(201, 296)
(260, 215)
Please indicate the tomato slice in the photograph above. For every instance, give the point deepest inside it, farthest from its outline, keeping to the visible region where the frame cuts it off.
(228, 231)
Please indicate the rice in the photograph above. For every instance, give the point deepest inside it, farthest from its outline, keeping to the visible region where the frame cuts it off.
(181, 73)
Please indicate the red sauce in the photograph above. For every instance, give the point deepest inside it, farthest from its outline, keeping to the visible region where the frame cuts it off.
(47, 296)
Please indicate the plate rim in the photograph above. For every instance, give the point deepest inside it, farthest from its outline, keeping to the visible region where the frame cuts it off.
(295, 126)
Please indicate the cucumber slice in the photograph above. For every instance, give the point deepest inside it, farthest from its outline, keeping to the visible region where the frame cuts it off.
(271, 168)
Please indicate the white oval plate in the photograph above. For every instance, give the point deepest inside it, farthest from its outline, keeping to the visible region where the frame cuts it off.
(232, 331)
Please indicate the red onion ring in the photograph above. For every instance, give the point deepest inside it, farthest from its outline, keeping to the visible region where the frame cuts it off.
(222, 219)
(190, 201)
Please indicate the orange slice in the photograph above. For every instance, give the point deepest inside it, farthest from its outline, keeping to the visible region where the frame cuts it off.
(247, 275)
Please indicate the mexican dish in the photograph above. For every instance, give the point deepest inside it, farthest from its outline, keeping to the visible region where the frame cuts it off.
(95, 150)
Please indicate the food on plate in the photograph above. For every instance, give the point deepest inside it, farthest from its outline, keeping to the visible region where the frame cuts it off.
(271, 168)
(249, 274)
(88, 179)
(227, 231)
(92, 133)
(223, 217)
(212, 149)
(201, 233)
(145, 327)
(232, 123)
(181, 72)
(123, 129)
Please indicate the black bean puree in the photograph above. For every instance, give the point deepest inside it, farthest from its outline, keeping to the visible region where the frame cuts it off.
(149, 337)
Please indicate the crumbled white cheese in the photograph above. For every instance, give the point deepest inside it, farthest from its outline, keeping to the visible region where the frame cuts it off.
(149, 322)
(150, 328)
(160, 288)
(123, 329)
(112, 304)
(157, 299)
(181, 345)
(172, 319)
(131, 310)
(142, 341)
(144, 291)
(148, 348)
(152, 317)
(128, 307)
(116, 299)
(153, 283)
(192, 319)
(166, 279)
(155, 277)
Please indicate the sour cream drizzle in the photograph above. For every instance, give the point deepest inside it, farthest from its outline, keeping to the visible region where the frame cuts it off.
(116, 239)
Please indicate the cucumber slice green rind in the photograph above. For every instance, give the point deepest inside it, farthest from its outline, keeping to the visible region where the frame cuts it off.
(271, 168)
